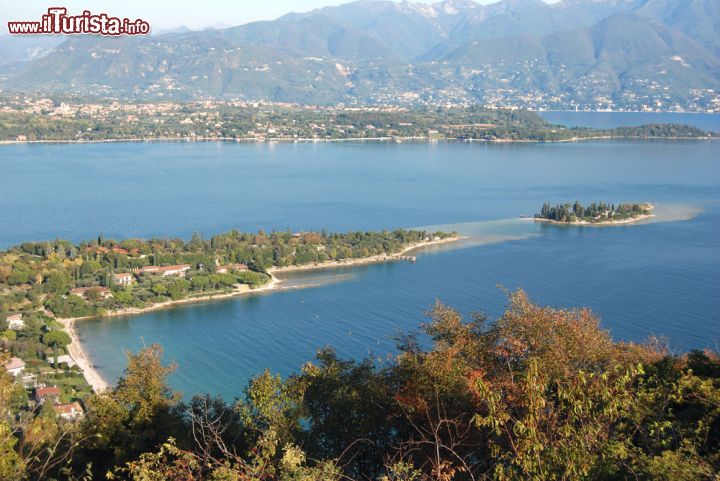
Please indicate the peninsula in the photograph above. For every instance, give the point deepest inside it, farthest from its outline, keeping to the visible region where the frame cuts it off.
(45, 287)
(597, 213)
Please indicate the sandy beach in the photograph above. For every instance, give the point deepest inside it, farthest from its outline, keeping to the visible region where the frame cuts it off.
(595, 224)
(365, 260)
(75, 349)
(99, 384)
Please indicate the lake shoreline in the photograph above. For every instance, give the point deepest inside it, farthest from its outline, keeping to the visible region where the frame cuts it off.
(96, 381)
(590, 111)
(78, 353)
(584, 223)
(605, 223)
(99, 383)
(364, 260)
(171, 140)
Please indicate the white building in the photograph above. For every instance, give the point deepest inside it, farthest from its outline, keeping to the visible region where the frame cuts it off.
(69, 411)
(123, 279)
(66, 358)
(15, 366)
(166, 271)
(15, 321)
(102, 292)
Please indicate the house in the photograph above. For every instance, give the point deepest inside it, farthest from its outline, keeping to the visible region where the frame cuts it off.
(123, 279)
(15, 321)
(79, 291)
(178, 270)
(120, 250)
(165, 271)
(103, 292)
(67, 359)
(15, 366)
(231, 267)
(29, 381)
(69, 411)
(43, 394)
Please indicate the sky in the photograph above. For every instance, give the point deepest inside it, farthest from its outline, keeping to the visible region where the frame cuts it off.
(164, 14)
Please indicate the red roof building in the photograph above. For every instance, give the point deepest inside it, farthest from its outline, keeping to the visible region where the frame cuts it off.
(42, 394)
(69, 411)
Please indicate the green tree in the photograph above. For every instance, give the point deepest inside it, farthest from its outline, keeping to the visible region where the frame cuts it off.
(58, 282)
(134, 417)
(56, 339)
(143, 390)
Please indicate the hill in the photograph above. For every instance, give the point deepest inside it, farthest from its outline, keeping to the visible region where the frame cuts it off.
(515, 53)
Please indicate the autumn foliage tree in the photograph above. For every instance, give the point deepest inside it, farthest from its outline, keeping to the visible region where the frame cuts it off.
(538, 394)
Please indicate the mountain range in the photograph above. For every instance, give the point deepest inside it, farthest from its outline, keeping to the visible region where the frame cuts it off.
(527, 53)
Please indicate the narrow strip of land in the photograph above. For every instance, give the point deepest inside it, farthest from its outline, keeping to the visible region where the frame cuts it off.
(99, 383)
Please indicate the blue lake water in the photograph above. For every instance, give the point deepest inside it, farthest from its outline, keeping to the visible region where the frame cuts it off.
(655, 278)
(608, 120)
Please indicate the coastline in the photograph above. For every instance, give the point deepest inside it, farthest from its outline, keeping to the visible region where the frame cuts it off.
(271, 140)
(364, 260)
(627, 111)
(76, 351)
(585, 223)
(99, 383)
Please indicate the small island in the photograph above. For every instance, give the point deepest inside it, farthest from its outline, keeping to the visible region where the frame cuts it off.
(597, 213)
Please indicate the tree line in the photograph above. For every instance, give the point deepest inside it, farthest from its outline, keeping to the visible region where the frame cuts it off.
(42, 274)
(184, 121)
(595, 212)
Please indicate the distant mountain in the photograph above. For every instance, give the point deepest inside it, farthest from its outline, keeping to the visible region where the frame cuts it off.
(698, 19)
(587, 53)
(18, 48)
(177, 66)
(623, 55)
(312, 36)
(180, 29)
(406, 30)
(509, 18)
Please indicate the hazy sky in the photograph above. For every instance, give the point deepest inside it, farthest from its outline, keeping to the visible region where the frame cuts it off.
(168, 13)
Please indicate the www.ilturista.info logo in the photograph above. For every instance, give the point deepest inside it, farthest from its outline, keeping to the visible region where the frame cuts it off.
(57, 21)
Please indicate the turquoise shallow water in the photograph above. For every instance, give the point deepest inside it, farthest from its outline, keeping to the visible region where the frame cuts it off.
(656, 278)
